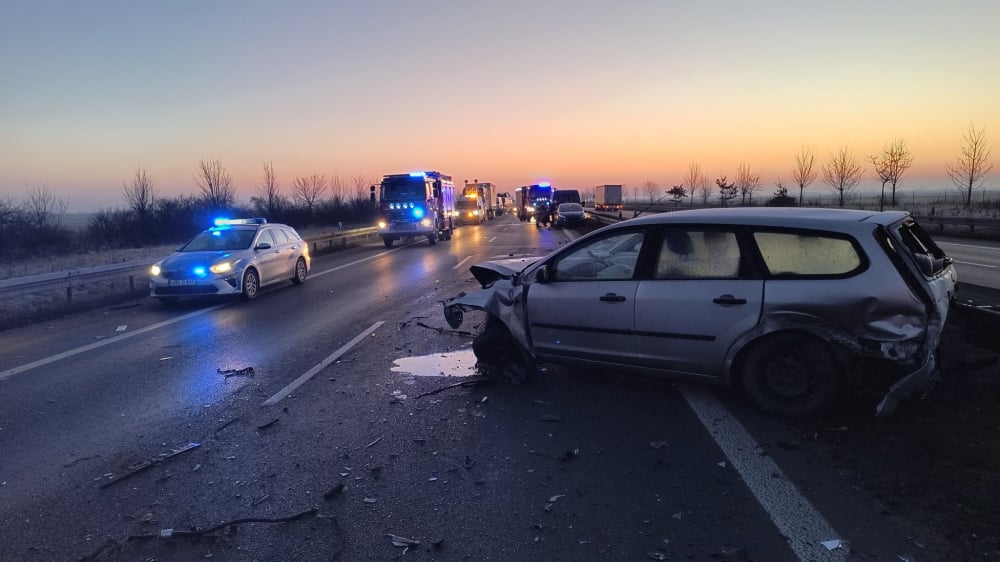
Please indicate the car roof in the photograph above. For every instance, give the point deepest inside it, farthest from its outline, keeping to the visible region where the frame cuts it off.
(771, 216)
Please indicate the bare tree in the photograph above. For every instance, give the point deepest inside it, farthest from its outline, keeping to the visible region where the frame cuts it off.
(890, 166)
(308, 190)
(747, 182)
(361, 184)
(269, 191)
(727, 191)
(651, 189)
(842, 173)
(804, 172)
(140, 196)
(43, 209)
(697, 182)
(338, 192)
(968, 172)
(216, 184)
(677, 193)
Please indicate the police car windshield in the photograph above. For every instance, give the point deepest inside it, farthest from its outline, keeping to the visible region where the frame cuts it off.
(221, 240)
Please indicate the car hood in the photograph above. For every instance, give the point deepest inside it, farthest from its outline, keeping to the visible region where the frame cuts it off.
(488, 272)
(183, 260)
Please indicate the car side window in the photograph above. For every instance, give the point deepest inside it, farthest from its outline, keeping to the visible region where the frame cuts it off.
(291, 234)
(265, 238)
(794, 254)
(610, 257)
(279, 236)
(698, 254)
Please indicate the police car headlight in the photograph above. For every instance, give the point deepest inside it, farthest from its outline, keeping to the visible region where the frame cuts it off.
(224, 267)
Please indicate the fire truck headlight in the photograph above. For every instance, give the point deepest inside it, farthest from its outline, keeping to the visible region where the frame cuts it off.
(475, 213)
(382, 224)
(425, 222)
(418, 212)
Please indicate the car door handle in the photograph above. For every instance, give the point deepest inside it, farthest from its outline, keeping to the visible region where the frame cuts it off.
(611, 297)
(729, 300)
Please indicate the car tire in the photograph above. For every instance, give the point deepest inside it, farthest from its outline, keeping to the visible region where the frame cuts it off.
(387, 241)
(432, 239)
(300, 272)
(791, 375)
(251, 285)
(497, 353)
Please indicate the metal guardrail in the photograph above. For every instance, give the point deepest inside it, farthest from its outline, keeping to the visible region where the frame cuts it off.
(136, 271)
(972, 223)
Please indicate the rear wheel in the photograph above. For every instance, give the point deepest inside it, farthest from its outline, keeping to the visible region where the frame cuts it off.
(300, 272)
(251, 285)
(792, 375)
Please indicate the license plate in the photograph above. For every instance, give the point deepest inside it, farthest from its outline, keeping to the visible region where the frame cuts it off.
(181, 282)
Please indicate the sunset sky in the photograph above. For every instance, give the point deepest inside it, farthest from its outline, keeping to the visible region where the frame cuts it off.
(576, 92)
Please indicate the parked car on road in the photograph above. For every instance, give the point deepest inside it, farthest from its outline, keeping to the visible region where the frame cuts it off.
(570, 214)
(792, 305)
(234, 257)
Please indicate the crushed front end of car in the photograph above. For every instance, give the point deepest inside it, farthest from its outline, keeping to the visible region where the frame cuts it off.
(503, 345)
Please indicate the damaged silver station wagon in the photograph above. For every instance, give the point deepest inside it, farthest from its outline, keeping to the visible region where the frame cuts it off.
(795, 306)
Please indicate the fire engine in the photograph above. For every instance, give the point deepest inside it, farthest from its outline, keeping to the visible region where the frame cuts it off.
(532, 199)
(415, 204)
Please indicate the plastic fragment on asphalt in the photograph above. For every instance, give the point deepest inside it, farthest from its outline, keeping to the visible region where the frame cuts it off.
(135, 468)
(658, 444)
(722, 464)
(370, 500)
(677, 515)
(166, 533)
(834, 544)
(550, 418)
(656, 556)
(553, 499)
(402, 542)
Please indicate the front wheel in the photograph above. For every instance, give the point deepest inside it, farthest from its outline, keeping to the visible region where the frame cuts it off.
(251, 285)
(431, 239)
(387, 241)
(300, 272)
(791, 375)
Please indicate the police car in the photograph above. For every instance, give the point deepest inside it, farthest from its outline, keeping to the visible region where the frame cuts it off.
(234, 257)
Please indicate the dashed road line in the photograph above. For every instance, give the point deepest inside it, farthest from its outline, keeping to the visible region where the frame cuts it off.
(320, 366)
(467, 258)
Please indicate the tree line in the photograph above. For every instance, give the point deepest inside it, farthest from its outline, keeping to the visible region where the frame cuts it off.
(34, 225)
(842, 173)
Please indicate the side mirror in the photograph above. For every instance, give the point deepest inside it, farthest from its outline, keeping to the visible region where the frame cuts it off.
(263, 246)
(437, 193)
(543, 274)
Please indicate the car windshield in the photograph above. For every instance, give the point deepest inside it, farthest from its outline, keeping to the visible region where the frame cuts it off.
(404, 190)
(570, 208)
(220, 240)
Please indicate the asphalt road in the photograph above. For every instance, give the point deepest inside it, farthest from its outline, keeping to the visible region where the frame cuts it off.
(570, 466)
(977, 261)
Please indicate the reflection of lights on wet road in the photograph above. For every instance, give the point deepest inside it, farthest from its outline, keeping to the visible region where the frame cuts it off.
(452, 364)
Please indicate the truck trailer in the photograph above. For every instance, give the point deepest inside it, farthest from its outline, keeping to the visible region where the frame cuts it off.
(608, 198)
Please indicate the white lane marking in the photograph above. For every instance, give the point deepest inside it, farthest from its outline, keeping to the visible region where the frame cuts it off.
(467, 258)
(792, 513)
(967, 246)
(320, 366)
(491, 239)
(60, 356)
(569, 233)
(977, 264)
